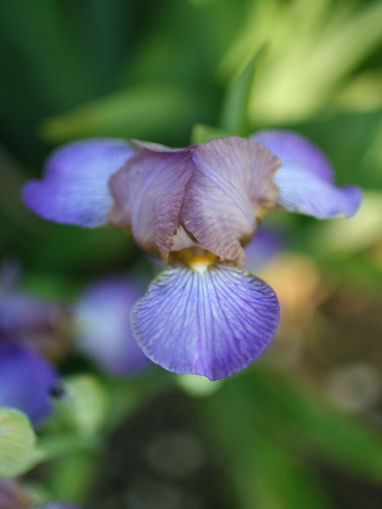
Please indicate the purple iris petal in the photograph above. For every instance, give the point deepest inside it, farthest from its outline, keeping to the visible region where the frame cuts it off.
(75, 189)
(230, 185)
(102, 317)
(210, 322)
(266, 244)
(25, 381)
(205, 195)
(306, 179)
(149, 192)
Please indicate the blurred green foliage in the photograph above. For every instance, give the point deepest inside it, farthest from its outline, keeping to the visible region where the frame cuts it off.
(181, 70)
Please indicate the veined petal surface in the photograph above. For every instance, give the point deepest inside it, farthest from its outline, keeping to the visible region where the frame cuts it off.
(306, 178)
(75, 189)
(148, 192)
(212, 322)
(208, 196)
(231, 185)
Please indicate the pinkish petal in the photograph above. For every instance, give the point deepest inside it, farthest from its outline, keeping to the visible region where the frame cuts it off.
(205, 195)
(230, 186)
(148, 193)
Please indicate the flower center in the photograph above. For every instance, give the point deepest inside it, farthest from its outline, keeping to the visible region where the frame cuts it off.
(195, 258)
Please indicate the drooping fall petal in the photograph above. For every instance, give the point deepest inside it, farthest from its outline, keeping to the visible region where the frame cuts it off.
(211, 322)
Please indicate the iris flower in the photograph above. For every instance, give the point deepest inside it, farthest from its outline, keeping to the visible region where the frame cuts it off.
(195, 208)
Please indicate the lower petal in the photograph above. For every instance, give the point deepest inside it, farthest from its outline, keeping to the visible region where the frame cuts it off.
(211, 322)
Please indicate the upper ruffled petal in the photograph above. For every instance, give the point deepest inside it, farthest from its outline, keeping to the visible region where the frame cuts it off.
(210, 322)
(103, 332)
(204, 195)
(305, 178)
(25, 381)
(149, 192)
(231, 185)
(75, 189)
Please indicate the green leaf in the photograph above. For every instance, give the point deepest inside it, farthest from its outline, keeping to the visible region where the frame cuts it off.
(235, 105)
(313, 49)
(347, 441)
(267, 471)
(17, 443)
(83, 408)
(202, 133)
(281, 480)
(72, 476)
(139, 112)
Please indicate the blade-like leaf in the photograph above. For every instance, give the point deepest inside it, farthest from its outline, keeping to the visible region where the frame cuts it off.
(345, 440)
(235, 105)
(140, 112)
(266, 470)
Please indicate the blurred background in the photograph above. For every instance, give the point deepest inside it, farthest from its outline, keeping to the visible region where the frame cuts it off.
(302, 426)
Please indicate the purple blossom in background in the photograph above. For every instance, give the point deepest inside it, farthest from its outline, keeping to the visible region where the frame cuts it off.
(26, 379)
(27, 319)
(26, 325)
(195, 208)
(102, 326)
(266, 244)
(12, 496)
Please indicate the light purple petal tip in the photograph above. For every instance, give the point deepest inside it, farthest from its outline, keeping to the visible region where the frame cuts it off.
(75, 189)
(102, 318)
(306, 179)
(25, 381)
(212, 323)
